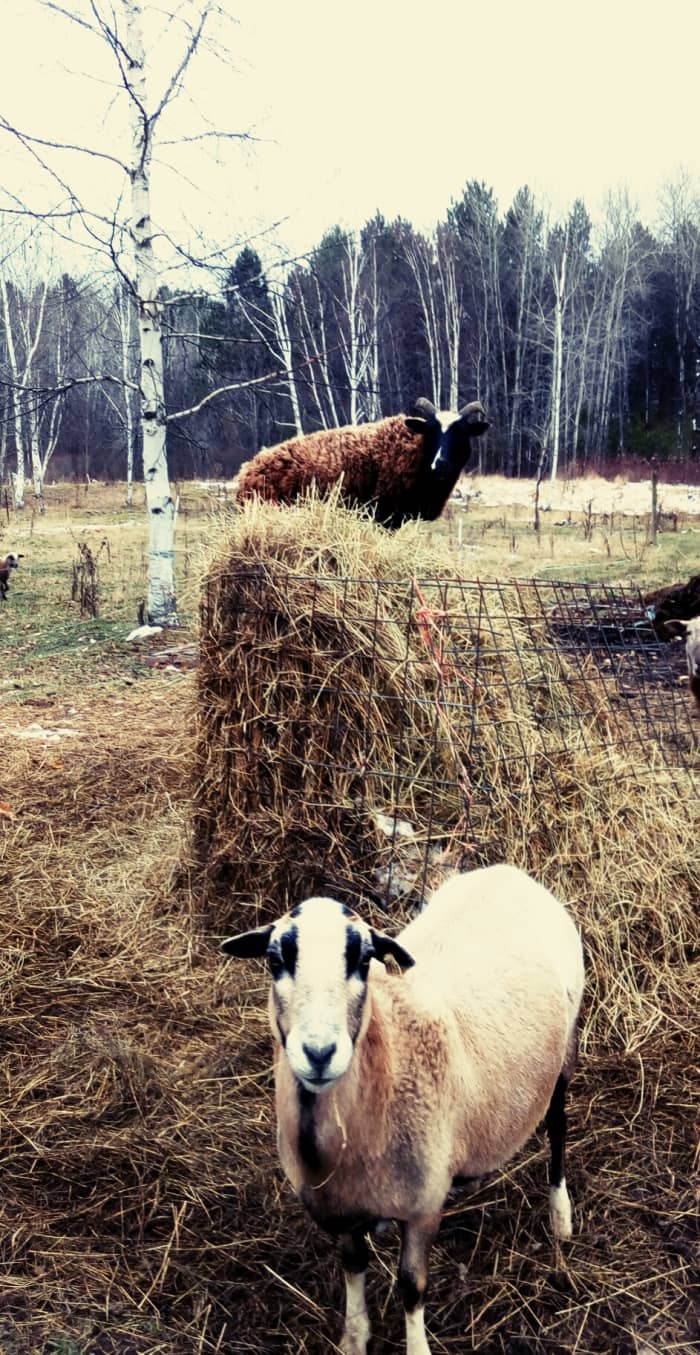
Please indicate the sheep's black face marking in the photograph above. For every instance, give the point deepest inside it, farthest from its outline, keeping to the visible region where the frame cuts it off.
(282, 954)
(357, 955)
(319, 961)
(288, 947)
(447, 436)
(447, 449)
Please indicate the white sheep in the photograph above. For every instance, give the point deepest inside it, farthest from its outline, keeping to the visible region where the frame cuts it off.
(390, 1086)
(403, 467)
(690, 632)
(7, 564)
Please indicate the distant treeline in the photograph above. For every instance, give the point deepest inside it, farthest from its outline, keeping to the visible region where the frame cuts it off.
(583, 345)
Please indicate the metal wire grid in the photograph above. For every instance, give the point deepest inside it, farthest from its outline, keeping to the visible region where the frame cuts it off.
(497, 649)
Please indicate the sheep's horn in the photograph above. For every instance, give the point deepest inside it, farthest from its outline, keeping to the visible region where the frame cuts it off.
(474, 415)
(424, 409)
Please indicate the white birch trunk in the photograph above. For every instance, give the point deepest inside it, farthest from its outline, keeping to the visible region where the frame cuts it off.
(354, 333)
(124, 317)
(559, 280)
(524, 292)
(284, 344)
(374, 409)
(351, 278)
(3, 445)
(452, 314)
(583, 374)
(35, 454)
(161, 605)
(18, 479)
(328, 383)
(310, 350)
(419, 260)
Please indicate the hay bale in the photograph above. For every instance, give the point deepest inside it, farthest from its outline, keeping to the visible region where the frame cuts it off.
(316, 711)
(349, 683)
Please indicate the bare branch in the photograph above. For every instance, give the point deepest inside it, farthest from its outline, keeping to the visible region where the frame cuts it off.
(74, 18)
(281, 374)
(222, 136)
(53, 392)
(24, 137)
(173, 85)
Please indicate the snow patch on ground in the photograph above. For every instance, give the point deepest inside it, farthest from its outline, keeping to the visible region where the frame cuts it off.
(631, 498)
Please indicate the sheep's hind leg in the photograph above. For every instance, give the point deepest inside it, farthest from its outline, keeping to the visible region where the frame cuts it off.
(416, 1241)
(355, 1256)
(559, 1202)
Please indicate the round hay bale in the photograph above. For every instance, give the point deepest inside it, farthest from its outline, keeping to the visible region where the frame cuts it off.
(317, 719)
(364, 721)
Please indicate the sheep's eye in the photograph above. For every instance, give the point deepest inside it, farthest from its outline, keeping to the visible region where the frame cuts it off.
(274, 960)
(288, 947)
(356, 962)
(282, 954)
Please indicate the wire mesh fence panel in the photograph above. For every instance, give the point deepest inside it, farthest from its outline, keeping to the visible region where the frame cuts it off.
(366, 733)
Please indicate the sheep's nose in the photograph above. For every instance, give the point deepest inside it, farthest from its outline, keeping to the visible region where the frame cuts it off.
(319, 1058)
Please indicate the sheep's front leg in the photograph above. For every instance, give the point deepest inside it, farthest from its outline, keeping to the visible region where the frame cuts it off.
(355, 1255)
(416, 1241)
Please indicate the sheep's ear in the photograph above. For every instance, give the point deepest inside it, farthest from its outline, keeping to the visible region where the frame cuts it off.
(676, 627)
(474, 416)
(415, 424)
(248, 945)
(386, 945)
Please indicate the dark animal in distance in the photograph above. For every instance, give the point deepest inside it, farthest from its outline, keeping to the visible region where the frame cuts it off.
(675, 601)
(402, 467)
(7, 564)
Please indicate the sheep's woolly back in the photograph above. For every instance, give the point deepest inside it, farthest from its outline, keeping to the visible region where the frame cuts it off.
(495, 922)
(374, 460)
(465, 1048)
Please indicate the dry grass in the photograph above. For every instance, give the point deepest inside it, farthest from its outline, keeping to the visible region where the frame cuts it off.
(142, 1208)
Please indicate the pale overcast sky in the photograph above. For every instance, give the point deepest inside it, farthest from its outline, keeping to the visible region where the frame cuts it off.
(379, 105)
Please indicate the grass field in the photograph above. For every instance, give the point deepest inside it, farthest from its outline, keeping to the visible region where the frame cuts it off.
(48, 648)
(133, 1220)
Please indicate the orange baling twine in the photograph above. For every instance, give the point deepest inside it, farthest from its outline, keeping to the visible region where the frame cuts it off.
(433, 637)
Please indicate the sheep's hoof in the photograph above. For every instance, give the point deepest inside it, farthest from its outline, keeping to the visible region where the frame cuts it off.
(560, 1211)
(355, 1336)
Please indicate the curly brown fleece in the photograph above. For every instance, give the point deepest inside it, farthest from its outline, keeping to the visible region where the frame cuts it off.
(379, 464)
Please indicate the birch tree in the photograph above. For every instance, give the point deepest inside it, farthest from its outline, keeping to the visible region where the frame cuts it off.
(680, 222)
(124, 302)
(420, 255)
(34, 319)
(127, 237)
(559, 260)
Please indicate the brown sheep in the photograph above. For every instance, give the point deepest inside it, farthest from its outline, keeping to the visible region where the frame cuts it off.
(403, 467)
(389, 1087)
(7, 564)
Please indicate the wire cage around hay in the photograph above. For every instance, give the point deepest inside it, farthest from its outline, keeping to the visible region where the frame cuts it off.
(362, 735)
